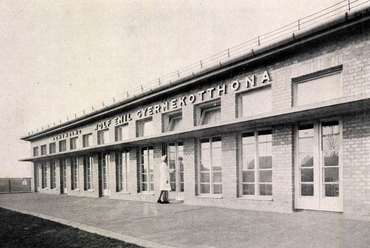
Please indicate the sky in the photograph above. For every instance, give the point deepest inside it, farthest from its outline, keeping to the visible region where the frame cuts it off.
(60, 57)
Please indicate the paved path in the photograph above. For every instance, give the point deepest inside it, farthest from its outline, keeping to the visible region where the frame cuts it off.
(180, 225)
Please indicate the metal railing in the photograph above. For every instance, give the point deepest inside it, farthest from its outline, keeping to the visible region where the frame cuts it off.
(221, 57)
(15, 185)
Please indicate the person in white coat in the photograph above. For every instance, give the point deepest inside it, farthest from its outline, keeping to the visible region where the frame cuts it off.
(164, 180)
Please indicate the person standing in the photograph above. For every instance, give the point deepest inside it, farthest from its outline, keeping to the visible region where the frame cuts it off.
(164, 180)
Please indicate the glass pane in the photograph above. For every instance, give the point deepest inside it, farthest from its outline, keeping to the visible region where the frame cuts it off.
(181, 187)
(330, 128)
(330, 142)
(265, 189)
(266, 176)
(248, 176)
(172, 177)
(216, 143)
(332, 190)
(248, 163)
(248, 189)
(173, 186)
(216, 160)
(306, 159)
(249, 150)
(205, 189)
(305, 131)
(206, 154)
(144, 168)
(307, 190)
(217, 177)
(205, 165)
(217, 189)
(257, 101)
(264, 136)
(307, 175)
(265, 162)
(204, 178)
(175, 124)
(181, 177)
(211, 116)
(305, 145)
(331, 174)
(248, 138)
(204, 144)
(331, 158)
(145, 187)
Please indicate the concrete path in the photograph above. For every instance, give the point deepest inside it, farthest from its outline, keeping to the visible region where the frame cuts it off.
(180, 225)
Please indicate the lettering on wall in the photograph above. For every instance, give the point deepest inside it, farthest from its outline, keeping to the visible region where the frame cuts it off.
(66, 135)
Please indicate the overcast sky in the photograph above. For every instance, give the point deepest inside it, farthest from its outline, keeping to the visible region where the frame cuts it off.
(60, 57)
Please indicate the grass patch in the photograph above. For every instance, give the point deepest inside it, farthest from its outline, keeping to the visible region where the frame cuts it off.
(22, 230)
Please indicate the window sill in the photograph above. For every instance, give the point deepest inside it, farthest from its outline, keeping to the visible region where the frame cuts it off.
(146, 193)
(256, 198)
(78, 190)
(211, 196)
(127, 192)
(90, 190)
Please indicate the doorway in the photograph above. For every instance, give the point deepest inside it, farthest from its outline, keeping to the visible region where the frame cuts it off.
(318, 166)
(63, 176)
(103, 174)
(175, 162)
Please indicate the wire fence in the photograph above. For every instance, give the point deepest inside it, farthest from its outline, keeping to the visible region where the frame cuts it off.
(15, 185)
(221, 57)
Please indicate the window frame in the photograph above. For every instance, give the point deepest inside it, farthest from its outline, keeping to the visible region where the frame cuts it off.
(73, 143)
(52, 148)
(122, 161)
(89, 138)
(74, 173)
(256, 90)
(44, 175)
(168, 121)
(88, 172)
(140, 127)
(118, 134)
(53, 176)
(148, 174)
(60, 145)
(35, 151)
(203, 109)
(43, 150)
(101, 136)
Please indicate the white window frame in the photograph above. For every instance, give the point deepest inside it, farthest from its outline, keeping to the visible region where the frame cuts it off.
(43, 150)
(122, 158)
(88, 172)
(102, 136)
(242, 96)
(169, 120)
(60, 145)
(142, 173)
(118, 134)
(73, 143)
(44, 175)
(203, 109)
(74, 173)
(36, 151)
(52, 148)
(257, 169)
(87, 140)
(140, 127)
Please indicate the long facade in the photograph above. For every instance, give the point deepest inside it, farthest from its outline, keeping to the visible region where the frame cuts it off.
(282, 129)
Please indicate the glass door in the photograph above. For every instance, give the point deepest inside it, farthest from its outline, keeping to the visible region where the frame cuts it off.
(176, 165)
(63, 176)
(318, 170)
(103, 174)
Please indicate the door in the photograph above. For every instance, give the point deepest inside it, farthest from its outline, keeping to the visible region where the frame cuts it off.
(36, 174)
(63, 176)
(175, 163)
(318, 166)
(103, 174)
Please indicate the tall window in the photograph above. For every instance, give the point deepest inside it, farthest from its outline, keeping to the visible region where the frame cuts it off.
(208, 113)
(255, 102)
(43, 150)
(210, 171)
(44, 175)
(121, 170)
(87, 173)
(63, 170)
(146, 169)
(121, 132)
(52, 148)
(53, 175)
(35, 151)
(62, 146)
(144, 127)
(103, 137)
(256, 166)
(172, 121)
(317, 87)
(87, 140)
(73, 143)
(74, 173)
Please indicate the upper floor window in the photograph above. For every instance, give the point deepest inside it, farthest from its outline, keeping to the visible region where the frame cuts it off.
(208, 113)
(144, 127)
(52, 148)
(35, 151)
(103, 137)
(255, 102)
(317, 87)
(43, 150)
(172, 121)
(121, 132)
(73, 143)
(87, 140)
(62, 145)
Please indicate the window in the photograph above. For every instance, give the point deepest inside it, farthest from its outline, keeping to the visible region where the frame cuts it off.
(53, 175)
(121, 132)
(172, 121)
(256, 165)
(144, 127)
(74, 173)
(208, 113)
(87, 140)
(121, 171)
(63, 171)
(103, 137)
(87, 173)
(62, 146)
(35, 151)
(255, 102)
(317, 87)
(73, 143)
(210, 171)
(44, 175)
(52, 148)
(146, 169)
(43, 150)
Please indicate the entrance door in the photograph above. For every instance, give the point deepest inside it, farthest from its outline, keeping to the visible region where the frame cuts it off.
(175, 162)
(63, 176)
(103, 174)
(318, 167)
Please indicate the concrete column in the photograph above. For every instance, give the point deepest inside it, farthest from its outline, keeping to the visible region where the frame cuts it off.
(229, 166)
(190, 174)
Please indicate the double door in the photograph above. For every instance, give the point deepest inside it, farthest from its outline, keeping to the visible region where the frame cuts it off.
(318, 166)
(175, 153)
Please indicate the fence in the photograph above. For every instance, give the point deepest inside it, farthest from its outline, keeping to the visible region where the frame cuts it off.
(15, 185)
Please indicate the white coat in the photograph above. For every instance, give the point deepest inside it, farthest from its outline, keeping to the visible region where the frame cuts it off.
(164, 180)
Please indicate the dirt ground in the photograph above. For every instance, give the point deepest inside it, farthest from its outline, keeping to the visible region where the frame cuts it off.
(20, 230)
